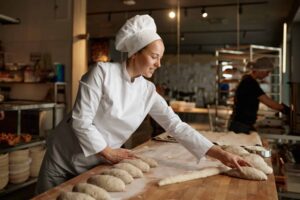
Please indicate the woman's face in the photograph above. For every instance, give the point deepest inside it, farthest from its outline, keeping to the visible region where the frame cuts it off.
(148, 59)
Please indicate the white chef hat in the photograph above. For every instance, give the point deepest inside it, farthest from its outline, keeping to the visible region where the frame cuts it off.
(135, 34)
(261, 64)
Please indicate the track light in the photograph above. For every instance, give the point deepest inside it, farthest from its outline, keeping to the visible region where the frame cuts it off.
(172, 14)
(203, 12)
(129, 2)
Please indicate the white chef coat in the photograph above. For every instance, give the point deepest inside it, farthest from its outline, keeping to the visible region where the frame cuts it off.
(110, 107)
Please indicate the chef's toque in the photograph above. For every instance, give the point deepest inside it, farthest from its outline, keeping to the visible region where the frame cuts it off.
(135, 34)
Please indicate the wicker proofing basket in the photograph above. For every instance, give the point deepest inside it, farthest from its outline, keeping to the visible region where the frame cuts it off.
(37, 155)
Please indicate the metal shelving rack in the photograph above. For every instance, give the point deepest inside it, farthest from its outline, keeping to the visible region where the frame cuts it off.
(250, 53)
(238, 58)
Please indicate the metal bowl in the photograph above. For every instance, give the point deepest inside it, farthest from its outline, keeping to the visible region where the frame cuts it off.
(266, 153)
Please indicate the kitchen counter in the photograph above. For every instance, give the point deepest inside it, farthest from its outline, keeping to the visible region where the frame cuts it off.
(173, 159)
(25, 105)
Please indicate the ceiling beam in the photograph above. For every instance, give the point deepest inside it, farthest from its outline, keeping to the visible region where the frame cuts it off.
(214, 31)
(150, 10)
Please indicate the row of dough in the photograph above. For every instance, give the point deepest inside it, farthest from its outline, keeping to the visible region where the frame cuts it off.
(258, 171)
(110, 180)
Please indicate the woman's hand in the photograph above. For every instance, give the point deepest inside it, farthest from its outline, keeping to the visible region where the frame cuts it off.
(116, 155)
(228, 159)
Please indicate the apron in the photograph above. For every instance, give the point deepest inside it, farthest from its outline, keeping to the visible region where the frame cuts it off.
(64, 158)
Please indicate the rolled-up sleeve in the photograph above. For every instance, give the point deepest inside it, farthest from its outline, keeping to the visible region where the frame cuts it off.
(192, 140)
(84, 111)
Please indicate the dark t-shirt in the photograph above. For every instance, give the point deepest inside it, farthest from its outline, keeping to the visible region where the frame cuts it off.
(246, 100)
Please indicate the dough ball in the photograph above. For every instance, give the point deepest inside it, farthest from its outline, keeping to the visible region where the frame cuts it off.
(237, 150)
(119, 173)
(249, 173)
(74, 196)
(258, 162)
(138, 163)
(92, 190)
(107, 182)
(131, 169)
(151, 162)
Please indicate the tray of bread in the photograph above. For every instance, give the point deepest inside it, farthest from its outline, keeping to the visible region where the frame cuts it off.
(12, 139)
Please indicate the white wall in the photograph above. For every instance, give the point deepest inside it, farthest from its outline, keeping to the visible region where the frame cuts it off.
(44, 28)
(194, 72)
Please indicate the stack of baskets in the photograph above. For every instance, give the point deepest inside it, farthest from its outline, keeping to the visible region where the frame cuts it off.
(37, 154)
(3, 170)
(17, 166)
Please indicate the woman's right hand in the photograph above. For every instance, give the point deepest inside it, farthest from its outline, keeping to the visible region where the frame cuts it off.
(116, 155)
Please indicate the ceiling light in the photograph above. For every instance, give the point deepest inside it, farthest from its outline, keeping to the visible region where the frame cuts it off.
(129, 2)
(203, 13)
(172, 14)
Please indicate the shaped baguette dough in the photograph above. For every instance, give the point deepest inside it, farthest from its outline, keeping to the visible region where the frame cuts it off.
(249, 173)
(74, 196)
(190, 176)
(151, 162)
(258, 162)
(237, 150)
(131, 169)
(119, 173)
(107, 182)
(92, 190)
(138, 163)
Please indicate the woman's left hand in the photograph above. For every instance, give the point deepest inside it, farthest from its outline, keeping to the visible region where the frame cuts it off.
(116, 155)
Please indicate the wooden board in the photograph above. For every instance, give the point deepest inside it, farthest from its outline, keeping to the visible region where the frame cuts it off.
(173, 159)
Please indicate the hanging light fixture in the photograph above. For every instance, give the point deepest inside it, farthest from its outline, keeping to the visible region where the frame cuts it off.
(172, 14)
(203, 12)
(129, 2)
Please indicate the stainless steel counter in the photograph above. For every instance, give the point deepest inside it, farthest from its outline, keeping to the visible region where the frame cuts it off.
(26, 105)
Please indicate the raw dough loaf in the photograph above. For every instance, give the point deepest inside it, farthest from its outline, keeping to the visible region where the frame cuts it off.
(119, 173)
(138, 163)
(249, 173)
(107, 182)
(131, 169)
(74, 196)
(151, 162)
(191, 176)
(237, 150)
(92, 190)
(258, 162)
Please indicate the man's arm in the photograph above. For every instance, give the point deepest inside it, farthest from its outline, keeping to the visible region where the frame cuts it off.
(270, 103)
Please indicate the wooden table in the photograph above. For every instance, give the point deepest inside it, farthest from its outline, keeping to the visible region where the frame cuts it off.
(173, 159)
(192, 110)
